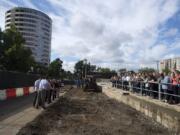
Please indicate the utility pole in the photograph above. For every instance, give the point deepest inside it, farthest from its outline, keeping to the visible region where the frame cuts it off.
(157, 64)
(85, 62)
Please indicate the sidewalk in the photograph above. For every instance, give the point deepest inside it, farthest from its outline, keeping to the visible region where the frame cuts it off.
(14, 123)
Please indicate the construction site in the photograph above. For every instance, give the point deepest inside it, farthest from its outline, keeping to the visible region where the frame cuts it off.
(79, 112)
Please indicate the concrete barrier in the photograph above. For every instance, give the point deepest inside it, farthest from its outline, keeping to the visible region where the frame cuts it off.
(15, 92)
(167, 115)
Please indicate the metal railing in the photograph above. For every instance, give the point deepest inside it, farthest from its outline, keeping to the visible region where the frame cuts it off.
(154, 89)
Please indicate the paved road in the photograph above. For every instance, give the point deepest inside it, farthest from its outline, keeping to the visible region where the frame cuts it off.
(13, 106)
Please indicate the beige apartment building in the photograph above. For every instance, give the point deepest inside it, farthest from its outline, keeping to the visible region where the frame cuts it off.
(171, 64)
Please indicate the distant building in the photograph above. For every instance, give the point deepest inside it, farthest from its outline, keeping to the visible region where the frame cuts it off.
(35, 27)
(121, 71)
(171, 64)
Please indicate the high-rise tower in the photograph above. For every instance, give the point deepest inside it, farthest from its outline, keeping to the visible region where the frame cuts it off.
(36, 28)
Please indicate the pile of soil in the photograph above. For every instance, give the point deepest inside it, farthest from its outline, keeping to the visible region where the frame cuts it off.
(88, 113)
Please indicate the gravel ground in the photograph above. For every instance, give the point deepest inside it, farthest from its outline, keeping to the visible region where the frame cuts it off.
(87, 113)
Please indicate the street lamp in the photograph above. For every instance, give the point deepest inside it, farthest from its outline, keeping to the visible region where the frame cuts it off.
(85, 62)
(157, 64)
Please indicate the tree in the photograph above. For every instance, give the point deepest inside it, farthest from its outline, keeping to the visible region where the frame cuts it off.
(1, 38)
(103, 70)
(92, 68)
(39, 68)
(146, 70)
(106, 72)
(55, 68)
(14, 56)
(1, 48)
(166, 70)
(174, 66)
(81, 68)
(122, 70)
(67, 75)
(18, 59)
(78, 68)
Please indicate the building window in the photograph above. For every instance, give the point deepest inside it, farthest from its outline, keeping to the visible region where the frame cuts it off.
(8, 11)
(7, 25)
(25, 24)
(8, 16)
(25, 20)
(8, 20)
(45, 29)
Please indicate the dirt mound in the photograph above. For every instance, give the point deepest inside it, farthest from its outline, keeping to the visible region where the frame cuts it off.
(87, 113)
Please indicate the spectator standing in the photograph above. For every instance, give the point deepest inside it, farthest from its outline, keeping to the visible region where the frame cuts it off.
(124, 81)
(146, 79)
(58, 85)
(76, 82)
(113, 81)
(49, 91)
(36, 101)
(138, 82)
(160, 78)
(55, 89)
(133, 82)
(44, 86)
(153, 85)
(175, 86)
(179, 86)
(128, 78)
(165, 87)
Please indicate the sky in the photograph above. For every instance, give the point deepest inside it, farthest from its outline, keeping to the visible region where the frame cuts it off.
(109, 33)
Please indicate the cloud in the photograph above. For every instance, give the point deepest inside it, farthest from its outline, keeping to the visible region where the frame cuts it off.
(110, 33)
(69, 66)
(4, 6)
(29, 4)
(116, 33)
(171, 32)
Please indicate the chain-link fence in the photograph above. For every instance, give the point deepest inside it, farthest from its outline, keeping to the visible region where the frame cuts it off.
(15, 79)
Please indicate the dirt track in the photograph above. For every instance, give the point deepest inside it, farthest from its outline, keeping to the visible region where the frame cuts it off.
(82, 113)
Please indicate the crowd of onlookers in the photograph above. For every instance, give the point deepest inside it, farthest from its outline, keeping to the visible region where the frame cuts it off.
(46, 90)
(80, 83)
(165, 85)
(83, 82)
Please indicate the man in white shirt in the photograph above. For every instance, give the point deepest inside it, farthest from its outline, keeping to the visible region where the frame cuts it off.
(128, 78)
(124, 81)
(44, 86)
(36, 88)
(127, 81)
